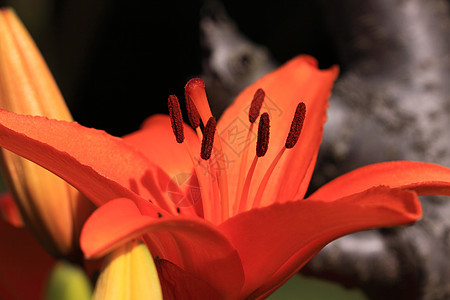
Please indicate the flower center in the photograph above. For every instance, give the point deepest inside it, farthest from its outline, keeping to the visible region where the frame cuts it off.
(214, 186)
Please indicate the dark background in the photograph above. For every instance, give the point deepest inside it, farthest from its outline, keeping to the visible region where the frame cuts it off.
(117, 61)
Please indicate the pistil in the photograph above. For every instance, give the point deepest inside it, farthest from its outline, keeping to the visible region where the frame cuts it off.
(195, 90)
(193, 115)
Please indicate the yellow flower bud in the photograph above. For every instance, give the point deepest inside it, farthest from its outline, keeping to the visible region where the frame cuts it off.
(129, 273)
(49, 206)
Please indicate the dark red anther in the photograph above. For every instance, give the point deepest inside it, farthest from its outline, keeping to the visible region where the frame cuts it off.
(176, 118)
(193, 115)
(256, 105)
(296, 126)
(262, 144)
(208, 139)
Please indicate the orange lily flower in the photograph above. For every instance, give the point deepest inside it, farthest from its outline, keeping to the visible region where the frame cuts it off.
(219, 224)
(50, 207)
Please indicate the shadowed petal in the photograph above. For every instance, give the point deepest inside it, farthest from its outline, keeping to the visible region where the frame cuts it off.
(307, 226)
(101, 166)
(24, 265)
(299, 80)
(9, 210)
(175, 282)
(191, 243)
(423, 178)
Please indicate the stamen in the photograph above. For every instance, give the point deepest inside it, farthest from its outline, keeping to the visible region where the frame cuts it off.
(208, 139)
(256, 105)
(263, 135)
(253, 113)
(265, 180)
(296, 125)
(193, 115)
(294, 134)
(176, 118)
(242, 168)
(261, 148)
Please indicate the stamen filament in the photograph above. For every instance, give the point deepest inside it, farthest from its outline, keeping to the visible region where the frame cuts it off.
(293, 136)
(253, 113)
(262, 145)
(242, 167)
(243, 203)
(199, 133)
(265, 180)
(207, 209)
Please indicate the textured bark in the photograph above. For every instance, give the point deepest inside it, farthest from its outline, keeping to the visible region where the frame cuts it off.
(391, 102)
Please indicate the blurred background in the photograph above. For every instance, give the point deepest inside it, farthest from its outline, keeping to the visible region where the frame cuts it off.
(117, 61)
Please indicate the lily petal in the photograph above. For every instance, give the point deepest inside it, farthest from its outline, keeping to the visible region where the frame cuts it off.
(156, 138)
(175, 282)
(72, 152)
(296, 81)
(423, 178)
(307, 228)
(191, 243)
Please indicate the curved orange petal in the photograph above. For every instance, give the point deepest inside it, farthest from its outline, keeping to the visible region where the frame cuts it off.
(423, 178)
(101, 166)
(268, 238)
(24, 265)
(157, 142)
(296, 81)
(175, 282)
(191, 243)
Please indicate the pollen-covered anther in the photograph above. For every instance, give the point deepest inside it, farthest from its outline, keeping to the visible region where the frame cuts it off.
(256, 105)
(296, 125)
(262, 143)
(175, 118)
(208, 139)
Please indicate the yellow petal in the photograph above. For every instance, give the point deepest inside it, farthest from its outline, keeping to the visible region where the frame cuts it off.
(27, 87)
(129, 273)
